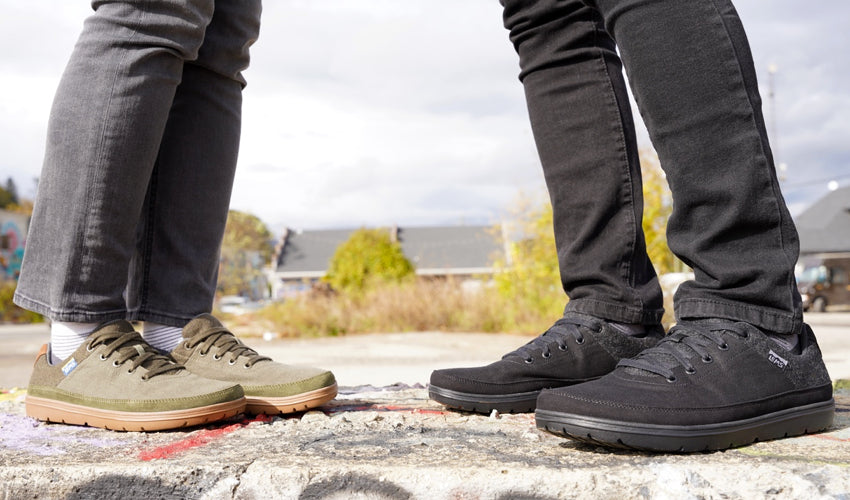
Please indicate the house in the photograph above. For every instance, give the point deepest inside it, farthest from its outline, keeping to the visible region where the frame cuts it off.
(302, 257)
(825, 226)
(13, 233)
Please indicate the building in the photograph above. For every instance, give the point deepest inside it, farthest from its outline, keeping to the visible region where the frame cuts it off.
(465, 252)
(825, 226)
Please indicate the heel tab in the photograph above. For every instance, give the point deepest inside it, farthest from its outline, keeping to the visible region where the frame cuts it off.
(807, 337)
(42, 352)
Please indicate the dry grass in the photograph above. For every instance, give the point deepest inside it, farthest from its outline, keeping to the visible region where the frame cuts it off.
(422, 305)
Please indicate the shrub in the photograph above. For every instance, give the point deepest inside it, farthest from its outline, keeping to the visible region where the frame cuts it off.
(368, 259)
(9, 312)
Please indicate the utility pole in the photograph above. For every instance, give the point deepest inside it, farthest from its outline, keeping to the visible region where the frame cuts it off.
(774, 134)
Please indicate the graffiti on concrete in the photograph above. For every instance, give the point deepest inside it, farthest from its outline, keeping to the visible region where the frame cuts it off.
(12, 235)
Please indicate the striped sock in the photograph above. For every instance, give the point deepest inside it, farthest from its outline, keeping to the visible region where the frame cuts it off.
(66, 337)
(163, 337)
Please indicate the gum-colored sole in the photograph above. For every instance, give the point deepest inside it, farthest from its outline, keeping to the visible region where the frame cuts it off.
(290, 404)
(49, 410)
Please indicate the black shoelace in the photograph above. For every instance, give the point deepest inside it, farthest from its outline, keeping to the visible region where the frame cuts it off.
(685, 345)
(224, 342)
(129, 347)
(558, 335)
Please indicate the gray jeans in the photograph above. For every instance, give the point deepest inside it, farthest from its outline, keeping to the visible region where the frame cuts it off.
(140, 157)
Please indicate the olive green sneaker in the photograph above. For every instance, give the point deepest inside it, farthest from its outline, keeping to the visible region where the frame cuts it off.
(117, 381)
(210, 350)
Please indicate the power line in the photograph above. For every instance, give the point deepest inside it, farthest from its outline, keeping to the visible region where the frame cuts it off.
(815, 181)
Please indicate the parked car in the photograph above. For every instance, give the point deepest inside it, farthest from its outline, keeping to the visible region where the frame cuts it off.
(824, 281)
(232, 304)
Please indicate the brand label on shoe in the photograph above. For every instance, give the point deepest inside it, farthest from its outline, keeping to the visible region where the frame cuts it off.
(69, 366)
(777, 360)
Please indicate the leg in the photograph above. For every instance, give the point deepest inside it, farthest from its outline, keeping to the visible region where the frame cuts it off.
(174, 271)
(730, 372)
(173, 276)
(585, 136)
(693, 78)
(583, 127)
(105, 129)
(107, 121)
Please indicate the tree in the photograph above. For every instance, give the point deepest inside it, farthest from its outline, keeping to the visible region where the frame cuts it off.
(528, 276)
(245, 249)
(657, 206)
(367, 259)
(12, 189)
(7, 199)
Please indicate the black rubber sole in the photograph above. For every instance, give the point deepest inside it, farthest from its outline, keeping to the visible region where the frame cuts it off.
(689, 438)
(521, 402)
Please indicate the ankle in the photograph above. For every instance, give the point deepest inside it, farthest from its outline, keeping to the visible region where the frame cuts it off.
(66, 337)
(162, 337)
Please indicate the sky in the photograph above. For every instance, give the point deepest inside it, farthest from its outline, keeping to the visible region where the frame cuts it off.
(381, 112)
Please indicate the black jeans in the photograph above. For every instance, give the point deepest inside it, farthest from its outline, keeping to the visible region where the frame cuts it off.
(692, 75)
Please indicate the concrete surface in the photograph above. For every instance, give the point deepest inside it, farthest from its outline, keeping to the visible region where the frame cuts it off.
(388, 441)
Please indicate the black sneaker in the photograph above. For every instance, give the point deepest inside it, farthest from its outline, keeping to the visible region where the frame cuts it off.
(577, 348)
(710, 385)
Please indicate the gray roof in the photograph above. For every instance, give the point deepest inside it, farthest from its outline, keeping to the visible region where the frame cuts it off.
(432, 250)
(825, 226)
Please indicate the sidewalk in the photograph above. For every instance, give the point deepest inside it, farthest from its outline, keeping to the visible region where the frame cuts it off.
(388, 441)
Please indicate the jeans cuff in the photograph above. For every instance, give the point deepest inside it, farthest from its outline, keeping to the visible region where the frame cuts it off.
(613, 311)
(773, 320)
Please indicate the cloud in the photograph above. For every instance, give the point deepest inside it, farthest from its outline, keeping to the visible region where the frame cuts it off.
(379, 112)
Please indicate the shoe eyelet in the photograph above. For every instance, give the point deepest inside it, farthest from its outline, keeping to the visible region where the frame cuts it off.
(216, 357)
(580, 340)
(103, 358)
(115, 363)
(671, 379)
(231, 362)
(529, 360)
(546, 355)
(690, 371)
(202, 353)
(130, 371)
(562, 347)
(723, 346)
(246, 366)
(89, 348)
(707, 359)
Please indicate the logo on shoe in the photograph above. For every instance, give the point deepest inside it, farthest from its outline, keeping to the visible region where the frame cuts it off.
(69, 366)
(777, 360)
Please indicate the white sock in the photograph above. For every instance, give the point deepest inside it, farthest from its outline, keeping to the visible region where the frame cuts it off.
(163, 337)
(66, 337)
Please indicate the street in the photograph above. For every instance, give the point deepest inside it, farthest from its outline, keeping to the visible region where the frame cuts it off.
(382, 359)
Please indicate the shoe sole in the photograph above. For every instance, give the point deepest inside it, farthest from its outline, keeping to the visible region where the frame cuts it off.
(519, 402)
(797, 421)
(290, 404)
(51, 410)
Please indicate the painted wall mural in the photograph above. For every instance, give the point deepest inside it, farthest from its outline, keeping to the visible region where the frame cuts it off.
(13, 231)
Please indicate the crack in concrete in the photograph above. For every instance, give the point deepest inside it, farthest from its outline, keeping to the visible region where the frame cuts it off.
(238, 477)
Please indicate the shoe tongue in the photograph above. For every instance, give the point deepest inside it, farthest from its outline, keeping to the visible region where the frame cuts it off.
(202, 323)
(660, 355)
